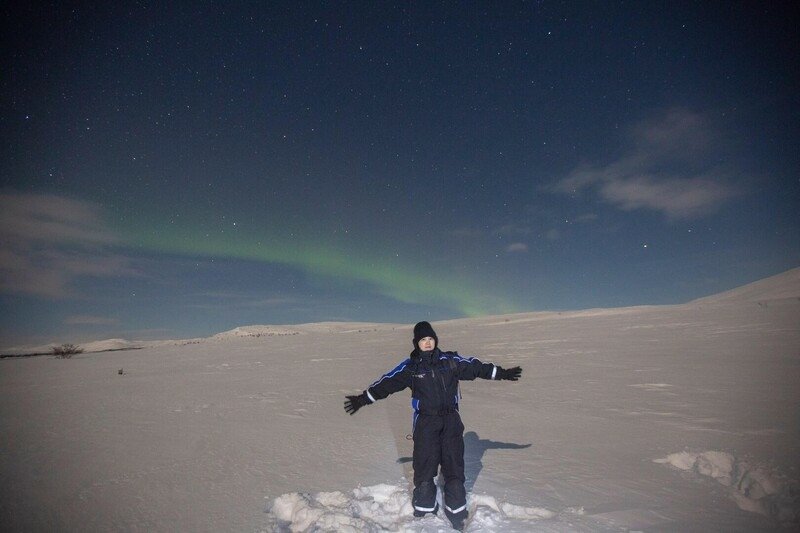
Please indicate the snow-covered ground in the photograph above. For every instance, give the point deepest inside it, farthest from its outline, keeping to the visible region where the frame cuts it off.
(670, 418)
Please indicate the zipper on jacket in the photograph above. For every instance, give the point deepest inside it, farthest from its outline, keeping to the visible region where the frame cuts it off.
(445, 403)
(440, 392)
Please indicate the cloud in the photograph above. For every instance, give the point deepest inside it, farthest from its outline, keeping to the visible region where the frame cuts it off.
(272, 302)
(517, 247)
(676, 197)
(467, 233)
(552, 234)
(587, 217)
(48, 218)
(513, 229)
(665, 169)
(227, 299)
(47, 242)
(85, 320)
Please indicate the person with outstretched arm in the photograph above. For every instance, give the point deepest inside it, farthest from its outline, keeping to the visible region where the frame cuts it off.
(433, 376)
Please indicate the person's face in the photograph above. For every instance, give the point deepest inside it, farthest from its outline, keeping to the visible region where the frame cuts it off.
(426, 344)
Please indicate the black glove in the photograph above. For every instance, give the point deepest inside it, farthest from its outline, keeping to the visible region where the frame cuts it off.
(511, 374)
(354, 403)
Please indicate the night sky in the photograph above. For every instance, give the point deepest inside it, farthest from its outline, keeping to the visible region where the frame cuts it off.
(177, 169)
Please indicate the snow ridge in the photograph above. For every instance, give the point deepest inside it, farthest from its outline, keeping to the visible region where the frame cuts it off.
(780, 286)
(387, 507)
(755, 488)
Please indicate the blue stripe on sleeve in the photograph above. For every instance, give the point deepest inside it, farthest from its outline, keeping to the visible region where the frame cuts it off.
(469, 360)
(396, 370)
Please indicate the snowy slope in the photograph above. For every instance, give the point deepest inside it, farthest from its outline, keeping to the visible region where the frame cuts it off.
(674, 418)
(94, 346)
(785, 285)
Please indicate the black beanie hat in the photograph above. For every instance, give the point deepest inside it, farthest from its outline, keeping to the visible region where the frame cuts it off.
(422, 330)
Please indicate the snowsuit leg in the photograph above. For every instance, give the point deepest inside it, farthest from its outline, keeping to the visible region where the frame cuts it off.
(427, 456)
(455, 496)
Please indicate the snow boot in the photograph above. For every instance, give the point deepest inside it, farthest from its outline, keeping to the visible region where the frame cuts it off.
(458, 522)
(420, 514)
(424, 499)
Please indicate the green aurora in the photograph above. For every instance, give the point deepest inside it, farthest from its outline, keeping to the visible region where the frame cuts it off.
(399, 282)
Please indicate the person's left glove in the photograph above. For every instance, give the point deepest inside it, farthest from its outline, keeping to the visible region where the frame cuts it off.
(354, 403)
(511, 374)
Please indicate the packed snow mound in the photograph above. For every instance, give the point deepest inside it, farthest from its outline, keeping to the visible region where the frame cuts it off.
(388, 507)
(781, 286)
(755, 488)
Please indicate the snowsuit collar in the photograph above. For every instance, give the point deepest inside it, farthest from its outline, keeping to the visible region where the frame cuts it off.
(418, 356)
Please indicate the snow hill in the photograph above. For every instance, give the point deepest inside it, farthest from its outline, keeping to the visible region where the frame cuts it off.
(105, 345)
(659, 418)
(785, 285)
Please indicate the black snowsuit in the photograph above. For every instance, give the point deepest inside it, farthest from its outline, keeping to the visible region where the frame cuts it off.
(438, 431)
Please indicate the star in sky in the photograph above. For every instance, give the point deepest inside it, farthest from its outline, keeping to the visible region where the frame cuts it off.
(387, 162)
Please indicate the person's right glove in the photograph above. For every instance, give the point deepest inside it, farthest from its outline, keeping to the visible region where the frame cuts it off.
(511, 374)
(354, 403)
